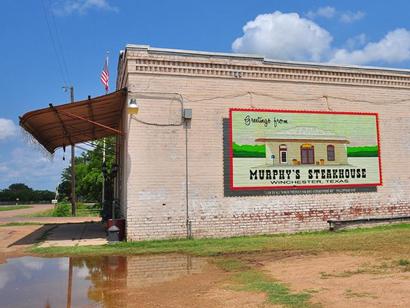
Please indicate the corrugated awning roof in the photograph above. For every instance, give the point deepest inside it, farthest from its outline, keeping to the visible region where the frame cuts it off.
(91, 119)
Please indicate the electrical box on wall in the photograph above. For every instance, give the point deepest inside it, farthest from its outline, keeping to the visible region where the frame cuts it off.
(187, 115)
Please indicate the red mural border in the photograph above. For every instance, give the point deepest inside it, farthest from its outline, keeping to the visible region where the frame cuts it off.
(231, 110)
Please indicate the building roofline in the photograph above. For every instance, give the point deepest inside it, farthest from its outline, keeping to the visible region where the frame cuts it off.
(185, 52)
(302, 139)
(182, 52)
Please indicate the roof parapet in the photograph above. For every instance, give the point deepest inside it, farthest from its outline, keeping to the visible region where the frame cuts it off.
(182, 52)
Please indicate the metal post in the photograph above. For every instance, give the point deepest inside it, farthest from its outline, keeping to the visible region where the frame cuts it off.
(70, 282)
(103, 183)
(73, 196)
(188, 221)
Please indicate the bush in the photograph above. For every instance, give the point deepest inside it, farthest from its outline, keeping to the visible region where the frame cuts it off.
(62, 210)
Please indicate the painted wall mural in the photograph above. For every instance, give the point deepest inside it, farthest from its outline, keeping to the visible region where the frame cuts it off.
(276, 149)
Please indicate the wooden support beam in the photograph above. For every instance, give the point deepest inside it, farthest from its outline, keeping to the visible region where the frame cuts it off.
(118, 132)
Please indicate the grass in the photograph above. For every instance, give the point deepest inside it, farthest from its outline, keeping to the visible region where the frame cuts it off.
(394, 239)
(64, 210)
(402, 265)
(248, 279)
(344, 274)
(349, 293)
(20, 224)
(46, 213)
(14, 207)
(404, 262)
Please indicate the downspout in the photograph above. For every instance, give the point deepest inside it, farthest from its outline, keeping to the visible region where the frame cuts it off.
(187, 115)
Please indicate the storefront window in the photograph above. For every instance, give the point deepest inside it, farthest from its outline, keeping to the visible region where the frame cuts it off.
(283, 153)
(330, 152)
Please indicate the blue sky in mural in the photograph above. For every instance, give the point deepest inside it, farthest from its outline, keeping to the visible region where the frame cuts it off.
(46, 44)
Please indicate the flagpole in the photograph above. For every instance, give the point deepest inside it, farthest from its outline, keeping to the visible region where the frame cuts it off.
(103, 183)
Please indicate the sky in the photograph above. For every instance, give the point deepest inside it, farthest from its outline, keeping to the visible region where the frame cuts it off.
(46, 44)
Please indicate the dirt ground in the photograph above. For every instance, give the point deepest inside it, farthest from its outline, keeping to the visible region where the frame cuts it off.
(15, 239)
(343, 280)
(332, 279)
(210, 288)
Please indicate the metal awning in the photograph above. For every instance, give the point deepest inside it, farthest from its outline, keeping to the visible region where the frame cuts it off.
(87, 120)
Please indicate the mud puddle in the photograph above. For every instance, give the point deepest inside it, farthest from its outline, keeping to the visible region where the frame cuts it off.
(110, 281)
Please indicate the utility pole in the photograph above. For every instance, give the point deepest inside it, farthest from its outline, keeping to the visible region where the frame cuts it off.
(73, 196)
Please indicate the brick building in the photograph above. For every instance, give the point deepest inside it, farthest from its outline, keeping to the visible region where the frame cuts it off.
(176, 169)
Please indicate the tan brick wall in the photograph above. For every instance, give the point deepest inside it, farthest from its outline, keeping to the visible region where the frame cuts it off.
(146, 271)
(154, 155)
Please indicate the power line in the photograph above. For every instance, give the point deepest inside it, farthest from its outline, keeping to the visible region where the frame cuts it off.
(59, 44)
(60, 61)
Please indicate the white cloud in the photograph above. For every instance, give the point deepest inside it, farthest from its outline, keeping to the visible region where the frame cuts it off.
(7, 129)
(393, 48)
(4, 278)
(30, 166)
(287, 36)
(32, 263)
(357, 41)
(62, 264)
(326, 12)
(349, 17)
(284, 36)
(82, 272)
(330, 12)
(68, 7)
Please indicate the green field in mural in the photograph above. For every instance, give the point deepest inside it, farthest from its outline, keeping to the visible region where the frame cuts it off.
(248, 150)
(368, 151)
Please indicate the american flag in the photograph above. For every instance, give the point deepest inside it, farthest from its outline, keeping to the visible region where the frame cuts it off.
(105, 75)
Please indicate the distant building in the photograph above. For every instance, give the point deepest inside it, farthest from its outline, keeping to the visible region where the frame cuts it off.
(305, 146)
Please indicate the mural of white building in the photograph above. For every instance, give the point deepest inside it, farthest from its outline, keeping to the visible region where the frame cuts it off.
(305, 145)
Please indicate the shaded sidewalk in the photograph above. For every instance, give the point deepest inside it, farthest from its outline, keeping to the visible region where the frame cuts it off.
(14, 240)
(75, 234)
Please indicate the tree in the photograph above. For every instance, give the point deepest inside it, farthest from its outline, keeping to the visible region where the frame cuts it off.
(18, 187)
(25, 194)
(88, 170)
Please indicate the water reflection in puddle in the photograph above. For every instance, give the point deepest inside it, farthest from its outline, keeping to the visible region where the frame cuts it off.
(87, 281)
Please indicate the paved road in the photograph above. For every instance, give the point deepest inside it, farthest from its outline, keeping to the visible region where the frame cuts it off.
(36, 208)
(16, 216)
